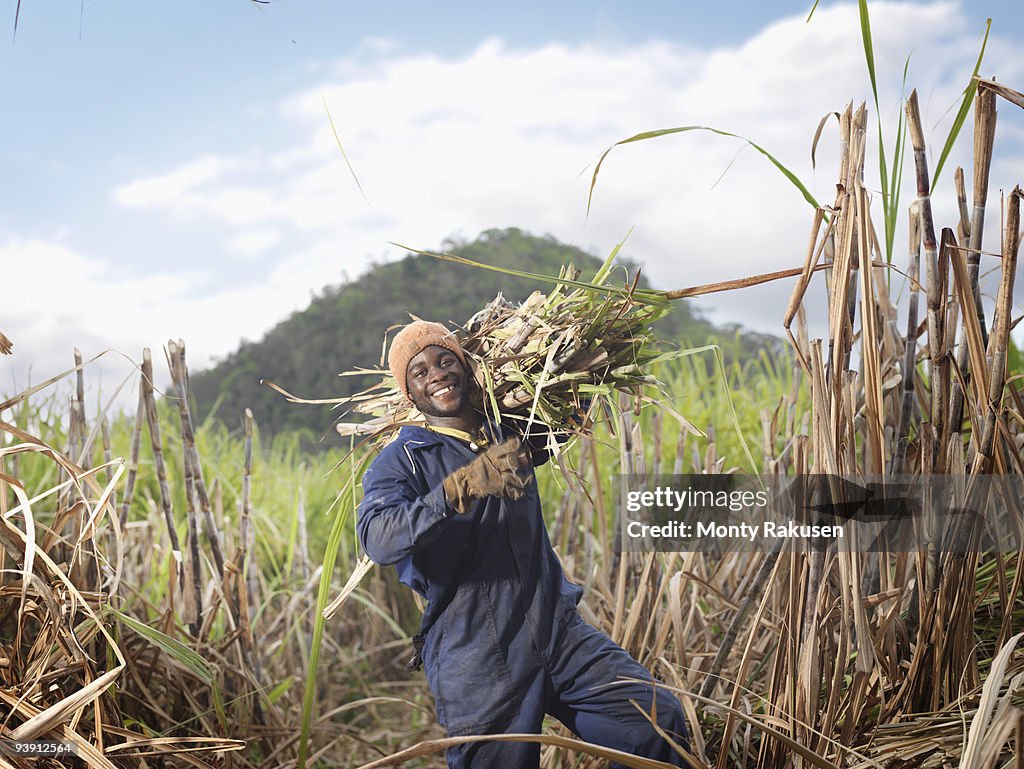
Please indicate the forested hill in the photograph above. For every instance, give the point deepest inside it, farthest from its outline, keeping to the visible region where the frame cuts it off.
(343, 328)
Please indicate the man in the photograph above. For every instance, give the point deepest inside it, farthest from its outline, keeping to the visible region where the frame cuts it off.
(454, 506)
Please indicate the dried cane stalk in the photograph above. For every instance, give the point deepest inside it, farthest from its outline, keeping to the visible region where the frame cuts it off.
(984, 140)
(874, 444)
(133, 462)
(194, 568)
(910, 348)
(153, 423)
(930, 255)
(999, 342)
(248, 595)
(964, 225)
(108, 458)
(179, 375)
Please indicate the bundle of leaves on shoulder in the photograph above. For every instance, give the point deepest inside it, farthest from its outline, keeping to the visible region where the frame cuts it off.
(547, 365)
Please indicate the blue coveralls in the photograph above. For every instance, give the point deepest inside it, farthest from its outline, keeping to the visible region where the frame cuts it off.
(505, 643)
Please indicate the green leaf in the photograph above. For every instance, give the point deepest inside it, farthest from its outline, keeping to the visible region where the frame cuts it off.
(965, 106)
(897, 174)
(172, 646)
(888, 208)
(727, 388)
(646, 296)
(606, 266)
(279, 691)
(869, 48)
(793, 178)
(883, 174)
(346, 503)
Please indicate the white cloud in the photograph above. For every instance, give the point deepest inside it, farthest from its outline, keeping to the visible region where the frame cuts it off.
(171, 188)
(254, 242)
(499, 138)
(67, 300)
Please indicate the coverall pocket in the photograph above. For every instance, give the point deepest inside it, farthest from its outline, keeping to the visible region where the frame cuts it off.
(471, 682)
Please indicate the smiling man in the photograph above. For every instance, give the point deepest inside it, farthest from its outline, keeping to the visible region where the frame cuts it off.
(454, 506)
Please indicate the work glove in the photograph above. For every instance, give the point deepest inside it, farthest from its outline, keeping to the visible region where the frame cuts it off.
(492, 474)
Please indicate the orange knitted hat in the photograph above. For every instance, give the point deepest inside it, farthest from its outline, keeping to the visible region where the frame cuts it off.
(412, 340)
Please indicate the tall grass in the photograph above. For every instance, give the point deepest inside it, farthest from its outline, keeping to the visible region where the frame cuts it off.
(188, 681)
(814, 673)
(243, 669)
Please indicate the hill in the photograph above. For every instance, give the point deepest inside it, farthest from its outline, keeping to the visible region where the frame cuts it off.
(344, 327)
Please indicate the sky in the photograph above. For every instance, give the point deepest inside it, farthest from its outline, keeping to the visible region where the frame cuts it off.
(170, 169)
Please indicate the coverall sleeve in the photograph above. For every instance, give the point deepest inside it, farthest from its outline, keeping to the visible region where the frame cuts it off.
(395, 519)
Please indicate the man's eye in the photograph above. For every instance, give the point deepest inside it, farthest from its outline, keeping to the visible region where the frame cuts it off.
(418, 372)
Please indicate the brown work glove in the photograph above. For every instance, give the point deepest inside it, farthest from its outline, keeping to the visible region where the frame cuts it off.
(492, 474)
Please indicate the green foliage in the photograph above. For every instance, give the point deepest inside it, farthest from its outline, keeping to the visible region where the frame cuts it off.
(965, 107)
(172, 646)
(891, 178)
(346, 503)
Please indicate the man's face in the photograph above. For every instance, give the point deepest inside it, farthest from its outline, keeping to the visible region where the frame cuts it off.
(437, 382)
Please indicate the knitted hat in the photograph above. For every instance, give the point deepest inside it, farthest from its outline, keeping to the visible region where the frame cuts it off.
(412, 340)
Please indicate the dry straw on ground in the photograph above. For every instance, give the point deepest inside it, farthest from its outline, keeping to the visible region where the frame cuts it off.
(86, 656)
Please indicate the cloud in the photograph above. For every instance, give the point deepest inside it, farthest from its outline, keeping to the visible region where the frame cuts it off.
(507, 136)
(173, 188)
(253, 242)
(66, 300)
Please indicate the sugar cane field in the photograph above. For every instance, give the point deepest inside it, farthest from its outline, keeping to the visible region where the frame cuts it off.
(182, 589)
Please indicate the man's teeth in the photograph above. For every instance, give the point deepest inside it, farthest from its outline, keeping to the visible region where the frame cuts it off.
(443, 390)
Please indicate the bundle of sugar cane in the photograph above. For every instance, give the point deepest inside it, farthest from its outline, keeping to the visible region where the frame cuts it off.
(546, 363)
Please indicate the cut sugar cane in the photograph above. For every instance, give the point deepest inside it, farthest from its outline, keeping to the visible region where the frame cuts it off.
(546, 363)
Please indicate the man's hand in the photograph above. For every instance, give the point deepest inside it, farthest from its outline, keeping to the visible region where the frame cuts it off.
(495, 473)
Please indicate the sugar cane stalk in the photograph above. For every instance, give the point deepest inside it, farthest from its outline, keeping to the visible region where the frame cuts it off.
(153, 423)
(179, 374)
(998, 344)
(133, 462)
(910, 347)
(931, 260)
(247, 590)
(194, 568)
(984, 139)
(194, 573)
(964, 225)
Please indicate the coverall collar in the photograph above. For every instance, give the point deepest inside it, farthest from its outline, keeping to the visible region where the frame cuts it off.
(422, 437)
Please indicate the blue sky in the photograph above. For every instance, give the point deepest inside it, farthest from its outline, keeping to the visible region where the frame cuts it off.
(106, 90)
(169, 168)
